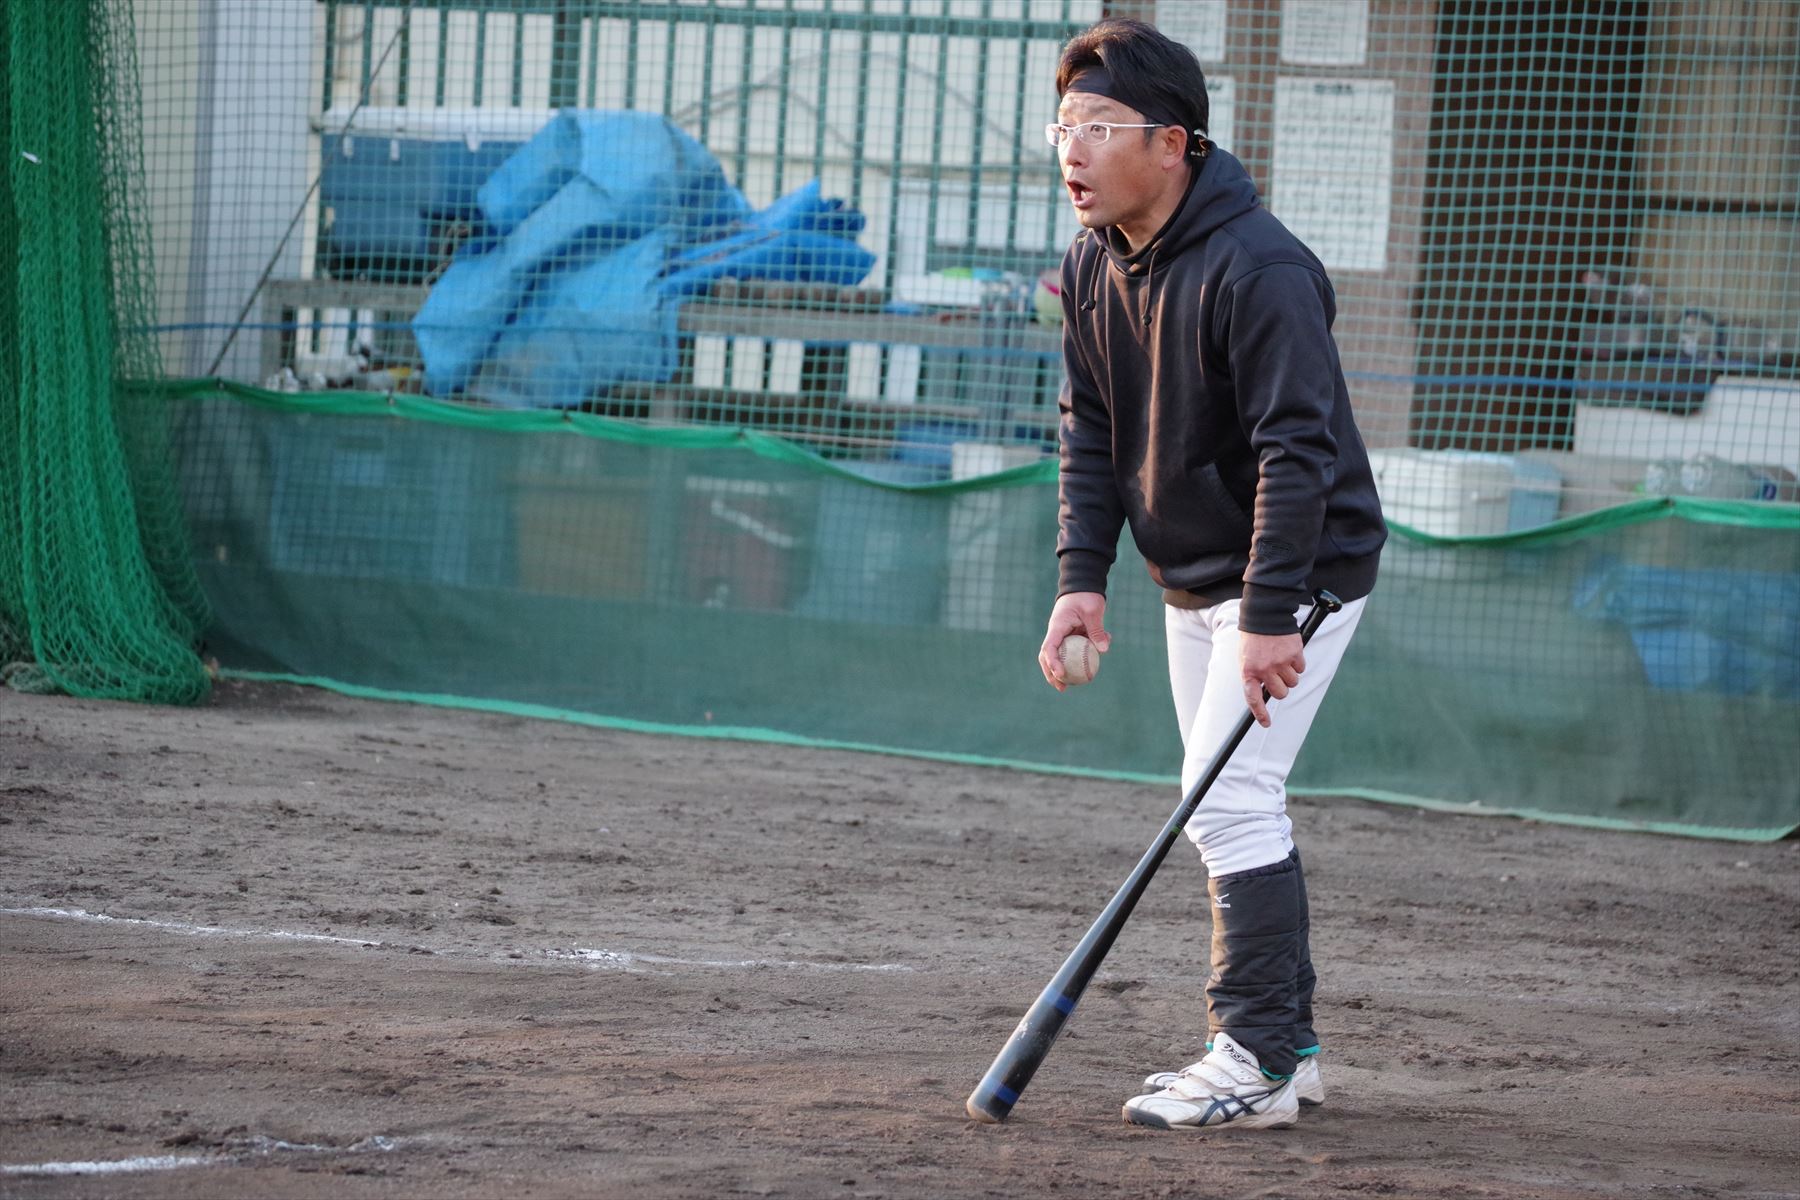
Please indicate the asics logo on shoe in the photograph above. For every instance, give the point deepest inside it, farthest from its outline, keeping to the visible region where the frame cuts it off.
(1236, 1054)
(1219, 900)
(1228, 1108)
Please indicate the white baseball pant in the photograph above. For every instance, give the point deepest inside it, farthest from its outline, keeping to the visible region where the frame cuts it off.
(1242, 822)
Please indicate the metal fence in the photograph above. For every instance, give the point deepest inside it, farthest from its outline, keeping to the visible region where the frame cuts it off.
(1552, 229)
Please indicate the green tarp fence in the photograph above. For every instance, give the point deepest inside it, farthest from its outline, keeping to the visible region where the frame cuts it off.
(1637, 667)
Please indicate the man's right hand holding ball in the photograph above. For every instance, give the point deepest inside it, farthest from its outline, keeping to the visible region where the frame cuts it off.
(1075, 612)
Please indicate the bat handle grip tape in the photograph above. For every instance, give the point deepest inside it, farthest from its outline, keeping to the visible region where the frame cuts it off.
(1324, 604)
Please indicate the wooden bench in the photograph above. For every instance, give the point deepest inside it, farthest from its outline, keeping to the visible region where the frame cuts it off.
(833, 364)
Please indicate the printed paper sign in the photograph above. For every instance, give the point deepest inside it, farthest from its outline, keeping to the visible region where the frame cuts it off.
(1333, 33)
(1198, 24)
(1332, 179)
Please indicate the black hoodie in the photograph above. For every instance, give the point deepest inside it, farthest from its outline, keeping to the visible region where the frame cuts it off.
(1206, 405)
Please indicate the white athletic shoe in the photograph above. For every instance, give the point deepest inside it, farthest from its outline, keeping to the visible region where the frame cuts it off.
(1227, 1087)
(1309, 1086)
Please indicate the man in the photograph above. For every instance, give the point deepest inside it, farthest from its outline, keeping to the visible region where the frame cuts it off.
(1205, 405)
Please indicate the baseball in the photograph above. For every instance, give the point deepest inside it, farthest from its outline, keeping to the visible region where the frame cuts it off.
(1080, 661)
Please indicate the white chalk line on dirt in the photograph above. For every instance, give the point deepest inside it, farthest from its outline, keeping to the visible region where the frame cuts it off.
(577, 956)
(645, 963)
(252, 1147)
(120, 1166)
(608, 957)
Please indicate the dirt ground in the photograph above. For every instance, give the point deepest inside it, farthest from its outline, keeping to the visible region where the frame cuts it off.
(295, 944)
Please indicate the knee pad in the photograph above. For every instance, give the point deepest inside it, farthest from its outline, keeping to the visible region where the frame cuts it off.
(1259, 928)
(1231, 842)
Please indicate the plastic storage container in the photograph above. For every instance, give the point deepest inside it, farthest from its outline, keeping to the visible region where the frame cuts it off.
(400, 185)
(1460, 493)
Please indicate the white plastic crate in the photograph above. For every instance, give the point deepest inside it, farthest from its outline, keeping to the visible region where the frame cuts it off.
(1460, 493)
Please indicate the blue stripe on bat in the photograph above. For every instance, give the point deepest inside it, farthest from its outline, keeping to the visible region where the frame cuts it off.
(1064, 1005)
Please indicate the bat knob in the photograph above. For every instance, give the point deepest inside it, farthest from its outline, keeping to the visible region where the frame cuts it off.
(986, 1107)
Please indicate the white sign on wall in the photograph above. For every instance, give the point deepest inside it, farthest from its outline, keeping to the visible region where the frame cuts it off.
(1221, 97)
(1197, 24)
(1333, 33)
(1332, 177)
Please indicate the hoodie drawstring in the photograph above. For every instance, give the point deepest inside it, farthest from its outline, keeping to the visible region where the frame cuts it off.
(1149, 285)
(1093, 290)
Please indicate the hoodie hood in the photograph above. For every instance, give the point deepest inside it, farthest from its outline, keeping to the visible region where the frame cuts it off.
(1218, 191)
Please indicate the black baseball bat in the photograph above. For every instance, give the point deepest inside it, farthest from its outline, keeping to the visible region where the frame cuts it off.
(993, 1098)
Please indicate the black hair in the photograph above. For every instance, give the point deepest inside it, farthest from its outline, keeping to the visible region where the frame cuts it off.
(1144, 59)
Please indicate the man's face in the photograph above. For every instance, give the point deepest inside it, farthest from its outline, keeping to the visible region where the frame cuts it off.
(1118, 181)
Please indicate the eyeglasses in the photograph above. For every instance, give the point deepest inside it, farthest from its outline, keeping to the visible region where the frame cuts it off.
(1091, 133)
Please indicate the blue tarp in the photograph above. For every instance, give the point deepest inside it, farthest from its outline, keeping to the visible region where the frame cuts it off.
(794, 240)
(585, 329)
(598, 227)
(1733, 632)
(649, 174)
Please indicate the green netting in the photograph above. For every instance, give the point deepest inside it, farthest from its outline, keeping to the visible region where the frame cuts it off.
(97, 596)
(784, 261)
(1638, 666)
